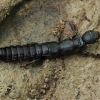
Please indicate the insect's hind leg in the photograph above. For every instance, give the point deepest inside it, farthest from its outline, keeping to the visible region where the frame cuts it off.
(29, 63)
(63, 63)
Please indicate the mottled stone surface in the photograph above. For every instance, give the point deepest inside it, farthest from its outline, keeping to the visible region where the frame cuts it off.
(6, 6)
(33, 21)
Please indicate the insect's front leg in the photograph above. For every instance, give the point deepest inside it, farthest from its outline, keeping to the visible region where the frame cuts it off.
(74, 29)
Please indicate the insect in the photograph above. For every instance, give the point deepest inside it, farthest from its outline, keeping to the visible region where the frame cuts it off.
(51, 49)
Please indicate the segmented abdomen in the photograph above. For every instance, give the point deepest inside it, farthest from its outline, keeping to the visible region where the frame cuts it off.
(18, 52)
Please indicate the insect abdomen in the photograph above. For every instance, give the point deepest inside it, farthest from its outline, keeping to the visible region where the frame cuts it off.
(12, 53)
(16, 53)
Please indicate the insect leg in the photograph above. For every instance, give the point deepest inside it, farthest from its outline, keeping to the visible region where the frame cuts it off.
(74, 29)
(85, 53)
(63, 64)
(32, 62)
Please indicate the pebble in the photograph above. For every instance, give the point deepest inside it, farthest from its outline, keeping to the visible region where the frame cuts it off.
(43, 91)
(46, 79)
(45, 86)
(14, 95)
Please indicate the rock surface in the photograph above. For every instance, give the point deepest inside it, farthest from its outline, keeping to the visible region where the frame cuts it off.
(33, 21)
(6, 6)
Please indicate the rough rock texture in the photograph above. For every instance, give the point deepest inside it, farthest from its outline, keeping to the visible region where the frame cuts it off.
(34, 21)
(6, 6)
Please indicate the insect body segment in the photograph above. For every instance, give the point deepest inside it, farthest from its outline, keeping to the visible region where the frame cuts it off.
(70, 45)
